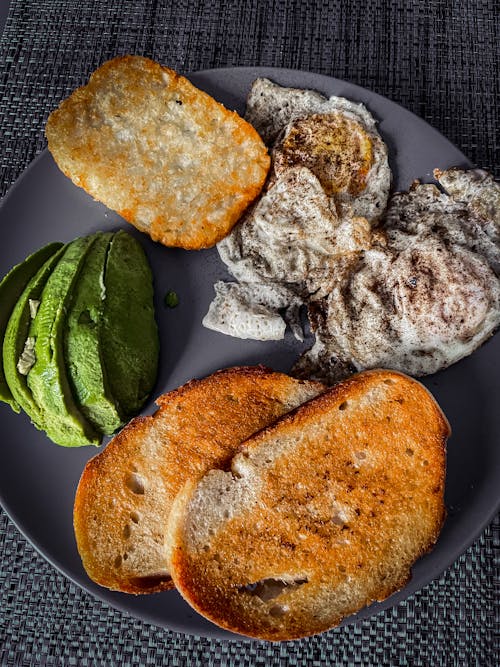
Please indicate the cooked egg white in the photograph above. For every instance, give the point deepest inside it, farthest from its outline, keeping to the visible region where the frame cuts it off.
(329, 184)
(334, 137)
(425, 298)
(411, 285)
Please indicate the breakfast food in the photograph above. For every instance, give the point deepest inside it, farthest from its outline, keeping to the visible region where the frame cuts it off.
(318, 515)
(165, 155)
(18, 347)
(328, 186)
(425, 297)
(129, 328)
(415, 293)
(328, 506)
(47, 380)
(253, 310)
(11, 288)
(334, 138)
(126, 492)
(287, 250)
(66, 345)
(84, 344)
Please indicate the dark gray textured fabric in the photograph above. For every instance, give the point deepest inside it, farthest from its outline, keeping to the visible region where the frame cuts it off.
(437, 58)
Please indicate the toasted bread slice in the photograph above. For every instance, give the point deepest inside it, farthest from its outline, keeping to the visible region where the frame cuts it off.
(166, 156)
(322, 512)
(125, 493)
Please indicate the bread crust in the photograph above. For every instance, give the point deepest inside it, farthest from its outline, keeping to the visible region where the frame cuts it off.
(125, 493)
(322, 512)
(165, 155)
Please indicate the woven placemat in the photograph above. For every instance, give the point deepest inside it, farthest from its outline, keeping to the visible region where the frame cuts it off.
(439, 59)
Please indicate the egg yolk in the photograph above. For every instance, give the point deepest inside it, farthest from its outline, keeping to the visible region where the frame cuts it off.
(337, 149)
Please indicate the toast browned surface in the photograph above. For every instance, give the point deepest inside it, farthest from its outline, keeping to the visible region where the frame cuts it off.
(165, 155)
(125, 493)
(322, 512)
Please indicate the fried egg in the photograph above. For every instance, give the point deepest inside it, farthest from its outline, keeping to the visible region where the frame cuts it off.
(293, 237)
(328, 185)
(335, 138)
(427, 296)
(412, 284)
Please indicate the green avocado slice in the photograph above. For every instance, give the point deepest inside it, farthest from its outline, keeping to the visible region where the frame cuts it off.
(15, 337)
(130, 334)
(47, 379)
(83, 342)
(11, 288)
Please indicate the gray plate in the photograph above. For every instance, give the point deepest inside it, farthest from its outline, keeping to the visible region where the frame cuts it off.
(38, 479)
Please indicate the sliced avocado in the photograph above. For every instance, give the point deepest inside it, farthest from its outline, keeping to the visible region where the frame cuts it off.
(47, 379)
(83, 342)
(130, 334)
(11, 288)
(16, 334)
